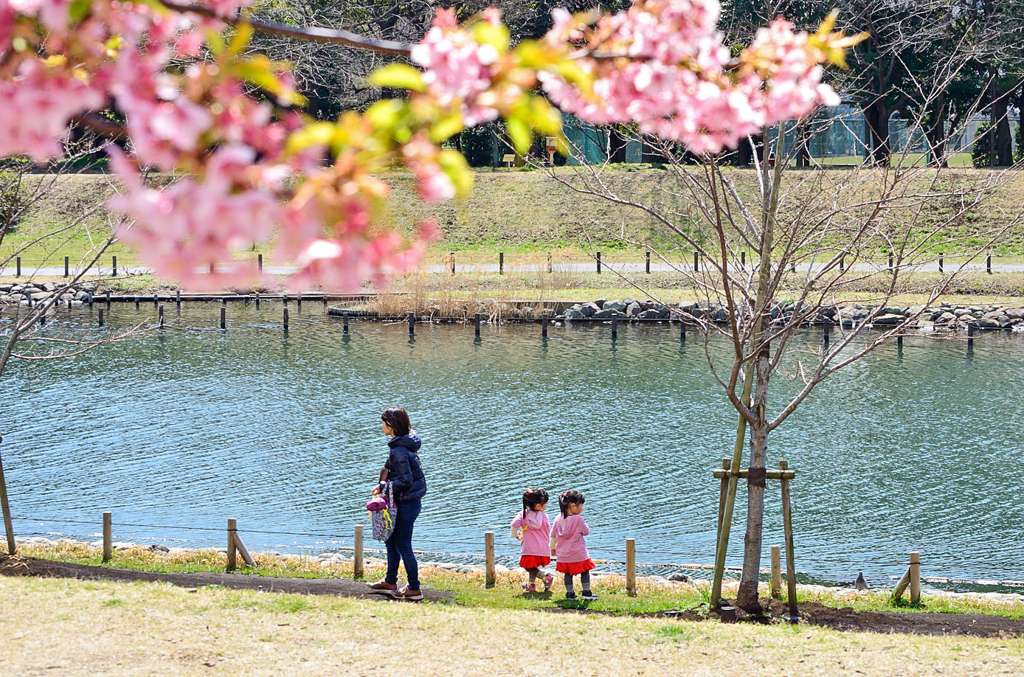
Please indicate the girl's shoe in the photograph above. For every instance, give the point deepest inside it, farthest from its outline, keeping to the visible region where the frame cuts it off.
(548, 580)
(588, 596)
(528, 587)
(570, 595)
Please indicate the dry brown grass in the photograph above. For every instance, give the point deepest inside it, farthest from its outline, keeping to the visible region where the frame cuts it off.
(67, 627)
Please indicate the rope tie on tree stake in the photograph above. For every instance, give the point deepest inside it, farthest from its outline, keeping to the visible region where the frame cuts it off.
(757, 476)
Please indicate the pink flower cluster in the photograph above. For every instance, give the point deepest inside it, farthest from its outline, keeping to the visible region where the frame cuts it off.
(456, 67)
(675, 79)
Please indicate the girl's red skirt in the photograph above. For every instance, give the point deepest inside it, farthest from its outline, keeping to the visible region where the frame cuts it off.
(533, 561)
(573, 568)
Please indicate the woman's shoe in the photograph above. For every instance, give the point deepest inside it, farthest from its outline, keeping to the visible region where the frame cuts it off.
(383, 585)
(548, 580)
(407, 594)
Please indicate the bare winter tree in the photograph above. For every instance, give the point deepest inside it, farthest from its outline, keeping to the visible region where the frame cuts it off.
(27, 330)
(825, 247)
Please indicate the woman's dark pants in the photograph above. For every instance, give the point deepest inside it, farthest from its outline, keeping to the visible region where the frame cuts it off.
(400, 545)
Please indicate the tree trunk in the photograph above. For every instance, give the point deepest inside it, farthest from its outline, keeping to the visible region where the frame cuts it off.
(876, 119)
(616, 145)
(935, 132)
(747, 597)
(1001, 137)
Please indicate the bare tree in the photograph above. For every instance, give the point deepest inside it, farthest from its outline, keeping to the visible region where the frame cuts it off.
(826, 247)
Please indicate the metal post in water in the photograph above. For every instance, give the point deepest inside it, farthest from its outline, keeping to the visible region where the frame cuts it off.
(286, 319)
(101, 317)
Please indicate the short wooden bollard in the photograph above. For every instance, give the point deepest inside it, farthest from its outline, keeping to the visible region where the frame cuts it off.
(549, 262)
(136, 303)
(631, 566)
(108, 547)
(899, 343)
(890, 263)
(113, 266)
(598, 263)
(156, 300)
(682, 331)
(223, 317)
(298, 301)
(544, 326)
(286, 319)
(647, 262)
(492, 577)
(232, 528)
(357, 553)
(412, 324)
(988, 265)
(501, 263)
(344, 322)
(18, 267)
(615, 329)
(101, 317)
(827, 335)
(259, 262)
(108, 299)
(940, 262)
(177, 298)
(915, 577)
(476, 324)
(257, 299)
(787, 527)
(970, 334)
(67, 270)
(160, 313)
(452, 255)
(776, 572)
(284, 298)
(696, 262)
(743, 258)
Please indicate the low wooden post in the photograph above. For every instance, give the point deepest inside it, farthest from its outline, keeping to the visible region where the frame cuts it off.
(549, 262)
(136, 303)
(476, 324)
(160, 313)
(108, 529)
(452, 255)
(177, 298)
(67, 270)
(108, 299)
(259, 262)
(90, 301)
(344, 322)
(113, 266)
(491, 576)
(827, 335)
(787, 527)
(501, 263)
(101, 317)
(682, 331)
(412, 324)
(696, 262)
(12, 546)
(970, 334)
(726, 465)
(899, 343)
(298, 301)
(286, 319)
(776, 572)
(285, 299)
(915, 577)
(988, 265)
(631, 566)
(156, 300)
(743, 259)
(257, 299)
(224, 301)
(223, 317)
(232, 528)
(940, 262)
(890, 263)
(615, 329)
(647, 262)
(598, 263)
(18, 267)
(544, 326)
(357, 553)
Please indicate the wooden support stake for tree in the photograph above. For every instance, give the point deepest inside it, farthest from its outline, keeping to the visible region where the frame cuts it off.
(232, 528)
(631, 566)
(243, 551)
(776, 572)
(12, 546)
(726, 465)
(357, 553)
(901, 586)
(489, 553)
(108, 536)
(787, 526)
(915, 577)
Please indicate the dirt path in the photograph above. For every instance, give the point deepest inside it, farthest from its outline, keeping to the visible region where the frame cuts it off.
(29, 566)
(812, 613)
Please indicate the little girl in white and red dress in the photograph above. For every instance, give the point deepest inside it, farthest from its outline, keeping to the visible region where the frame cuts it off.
(569, 546)
(531, 526)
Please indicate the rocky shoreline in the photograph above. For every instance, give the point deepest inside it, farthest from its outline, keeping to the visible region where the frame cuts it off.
(944, 316)
(31, 293)
(331, 558)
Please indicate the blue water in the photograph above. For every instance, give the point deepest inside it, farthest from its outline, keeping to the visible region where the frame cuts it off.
(179, 431)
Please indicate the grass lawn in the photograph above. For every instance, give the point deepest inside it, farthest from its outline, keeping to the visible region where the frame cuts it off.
(70, 627)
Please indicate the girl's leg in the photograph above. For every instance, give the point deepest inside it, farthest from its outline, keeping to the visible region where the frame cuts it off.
(585, 581)
(402, 537)
(534, 572)
(568, 583)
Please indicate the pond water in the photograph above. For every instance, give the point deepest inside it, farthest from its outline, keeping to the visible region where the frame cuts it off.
(176, 432)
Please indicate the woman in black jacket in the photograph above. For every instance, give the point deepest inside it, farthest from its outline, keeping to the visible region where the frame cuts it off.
(408, 486)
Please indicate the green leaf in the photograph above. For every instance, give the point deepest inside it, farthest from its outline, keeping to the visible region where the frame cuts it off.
(259, 70)
(400, 75)
(545, 117)
(240, 40)
(454, 164)
(519, 130)
(447, 127)
(385, 113)
(78, 10)
(313, 134)
(495, 35)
